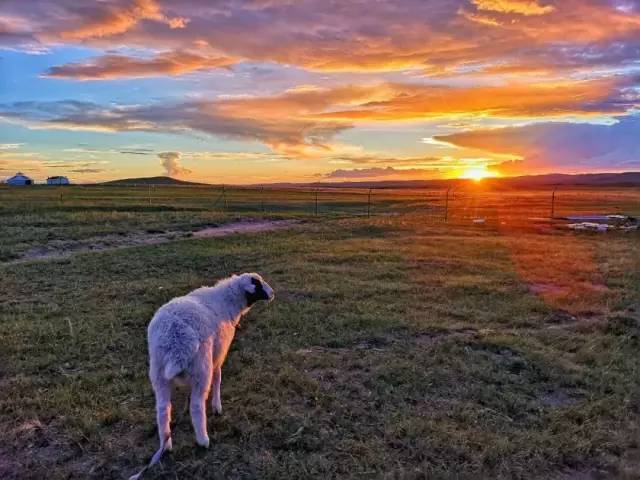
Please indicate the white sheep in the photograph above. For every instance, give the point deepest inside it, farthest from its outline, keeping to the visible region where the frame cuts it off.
(189, 338)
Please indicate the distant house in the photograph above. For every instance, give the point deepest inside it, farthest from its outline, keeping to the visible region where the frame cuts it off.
(19, 179)
(57, 180)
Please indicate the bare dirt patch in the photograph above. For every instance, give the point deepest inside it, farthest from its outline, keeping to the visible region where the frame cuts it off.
(8, 464)
(66, 248)
(560, 317)
(243, 227)
(558, 398)
(547, 288)
(425, 339)
(585, 474)
(428, 339)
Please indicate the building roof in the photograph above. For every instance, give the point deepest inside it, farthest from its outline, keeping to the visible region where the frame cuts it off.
(19, 175)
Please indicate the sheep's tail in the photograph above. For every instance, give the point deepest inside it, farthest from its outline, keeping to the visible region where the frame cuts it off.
(155, 459)
(171, 369)
(180, 351)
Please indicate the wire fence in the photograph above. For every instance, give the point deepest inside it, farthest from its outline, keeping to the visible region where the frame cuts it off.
(453, 205)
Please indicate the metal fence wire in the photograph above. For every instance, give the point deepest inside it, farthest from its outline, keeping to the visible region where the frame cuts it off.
(444, 204)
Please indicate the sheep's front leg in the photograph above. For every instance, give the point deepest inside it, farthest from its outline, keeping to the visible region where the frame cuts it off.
(216, 402)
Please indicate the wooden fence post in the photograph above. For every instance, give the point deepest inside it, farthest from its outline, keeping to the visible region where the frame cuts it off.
(446, 206)
(369, 204)
(316, 208)
(553, 204)
(262, 198)
(224, 197)
(149, 194)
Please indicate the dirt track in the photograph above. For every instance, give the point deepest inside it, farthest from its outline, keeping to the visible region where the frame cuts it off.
(64, 249)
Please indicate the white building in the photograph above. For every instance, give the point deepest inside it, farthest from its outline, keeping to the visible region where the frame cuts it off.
(19, 179)
(57, 180)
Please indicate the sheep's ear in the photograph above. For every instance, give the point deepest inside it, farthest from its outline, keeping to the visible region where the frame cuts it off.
(255, 291)
(249, 284)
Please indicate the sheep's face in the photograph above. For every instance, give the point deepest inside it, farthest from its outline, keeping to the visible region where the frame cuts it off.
(256, 289)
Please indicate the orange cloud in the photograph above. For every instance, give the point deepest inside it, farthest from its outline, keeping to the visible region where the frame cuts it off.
(522, 7)
(433, 37)
(303, 122)
(116, 19)
(118, 66)
(410, 102)
(480, 18)
(395, 101)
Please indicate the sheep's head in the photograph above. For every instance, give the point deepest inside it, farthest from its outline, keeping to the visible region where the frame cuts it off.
(255, 288)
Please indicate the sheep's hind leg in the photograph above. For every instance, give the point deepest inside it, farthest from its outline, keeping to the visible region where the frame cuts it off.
(199, 415)
(216, 403)
(162, 390)
(201, 383)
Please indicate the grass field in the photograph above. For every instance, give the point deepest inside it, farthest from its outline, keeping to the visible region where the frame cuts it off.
(398, 346)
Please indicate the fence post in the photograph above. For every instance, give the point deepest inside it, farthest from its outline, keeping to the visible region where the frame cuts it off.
(262, 198)
(369, 204)
(224, 197)
(553, 204)
(60, 195)
(316, 208)
(446, 206)
(149, 194)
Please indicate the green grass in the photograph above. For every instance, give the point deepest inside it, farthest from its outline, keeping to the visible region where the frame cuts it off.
(52, 216)
(396, 348)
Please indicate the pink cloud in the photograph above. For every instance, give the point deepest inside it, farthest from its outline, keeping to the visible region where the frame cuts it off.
(434, 37)
(116, 66)
(114, 18)
(381, 172)
(559, 146)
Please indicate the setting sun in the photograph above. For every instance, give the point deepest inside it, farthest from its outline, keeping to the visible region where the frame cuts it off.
(476, 173)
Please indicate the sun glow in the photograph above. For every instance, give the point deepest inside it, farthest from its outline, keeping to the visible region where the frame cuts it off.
(476, 173)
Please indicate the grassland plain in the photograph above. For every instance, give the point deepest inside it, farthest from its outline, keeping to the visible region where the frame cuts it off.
(396, 348)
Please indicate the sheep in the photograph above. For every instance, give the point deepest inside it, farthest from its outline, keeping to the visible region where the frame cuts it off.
(189, 338)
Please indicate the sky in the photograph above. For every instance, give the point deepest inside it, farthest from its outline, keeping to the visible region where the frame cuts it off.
(261, 91)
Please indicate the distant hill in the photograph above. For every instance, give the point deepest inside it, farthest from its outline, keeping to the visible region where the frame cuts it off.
(625, 179)
(151, 181)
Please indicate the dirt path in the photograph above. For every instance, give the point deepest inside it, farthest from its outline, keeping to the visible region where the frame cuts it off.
(66, 248)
